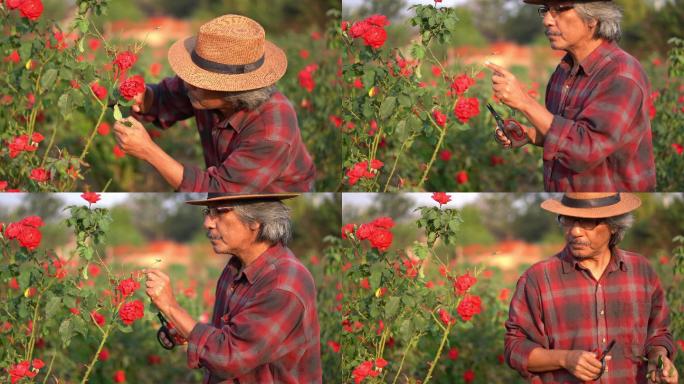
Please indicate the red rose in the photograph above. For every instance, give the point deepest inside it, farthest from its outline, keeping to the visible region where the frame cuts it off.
(91, 197)
(374, 37)
(14, 284)
(304, 54)
(377, 20)
(118, 152)
(119, 376)
(453, 353)
(336, 120)
(469, 376)
(131, 311)
(440, 118)
(469, 306)
(98, 318)
(132, 86)
(347, 228)
(376, 164)
(94, 44)
(383, 222)
(153, 359)
(38, 363)
(13, 4)
(462, 177)
(103, 128)
(463, 283)
(462, 83)
(104, 354)
(127, 287)
(678, 148)
(365, 284)
(306, 80)
(381, 239)
(32, 221)
(40, 175)
(334, 346)
(99, 91)
(445, 155)
(13, 57)
(445, 316)
(358, 84)
(93, 270)
(31, 9)
(365, 231)
(3, 185)
(373, 127)
(358, 29)
(466, 108)
(503, 295)
(441, 197)
(436, 71)
(125, 60)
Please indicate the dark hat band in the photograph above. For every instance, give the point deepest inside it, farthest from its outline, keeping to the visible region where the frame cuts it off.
(227, 69)
(591, 203)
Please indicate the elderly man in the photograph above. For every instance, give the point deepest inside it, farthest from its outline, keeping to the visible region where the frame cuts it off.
(567, 310)
(264, 327)
(248, 130)
(595, 128)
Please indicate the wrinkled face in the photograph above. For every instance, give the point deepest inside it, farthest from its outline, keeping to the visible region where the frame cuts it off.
(564, 28)
(205, 99)
(228, 235)
(585, 238)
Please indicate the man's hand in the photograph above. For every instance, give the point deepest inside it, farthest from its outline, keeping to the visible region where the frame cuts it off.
(502, 139)
(133, 138)
(158, 288)
(667, 373)
(583, 364)
(507, 88)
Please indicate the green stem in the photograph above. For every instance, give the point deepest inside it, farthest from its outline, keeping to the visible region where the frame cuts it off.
(47, 150)
(437, 355)
(32, 339)
(434, 153)
(413, 340)
(93, 133)
(396, 160)
(97, 354)
(50, 367)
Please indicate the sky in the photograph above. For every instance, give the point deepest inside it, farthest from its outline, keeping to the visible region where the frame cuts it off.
(445, 3)
(107, 199)
(422, 199)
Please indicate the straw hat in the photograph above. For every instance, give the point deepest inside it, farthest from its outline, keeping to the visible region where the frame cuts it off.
(593, 205)
(230, 53)
(214, 199)
(542, 2)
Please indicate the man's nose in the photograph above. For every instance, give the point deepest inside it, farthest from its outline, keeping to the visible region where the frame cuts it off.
(208, 222)
(548, 20)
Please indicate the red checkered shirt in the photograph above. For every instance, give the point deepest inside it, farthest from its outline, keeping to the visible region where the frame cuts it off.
(600, 137)
(264, 327)
(250, 151)
(559, 305)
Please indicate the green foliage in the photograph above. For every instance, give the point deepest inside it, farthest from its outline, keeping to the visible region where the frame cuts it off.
(439, 223)
(88, 224)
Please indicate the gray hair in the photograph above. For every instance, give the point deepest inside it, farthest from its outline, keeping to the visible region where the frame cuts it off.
(618, 226)
(273, 218)
(251, 99)
(607, 16)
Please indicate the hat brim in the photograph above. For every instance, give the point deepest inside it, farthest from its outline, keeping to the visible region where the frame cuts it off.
(628, 202)
(273, 68)
(223, 199)
(542, 2)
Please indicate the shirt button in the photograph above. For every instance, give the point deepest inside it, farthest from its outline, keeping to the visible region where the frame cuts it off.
(604, 339)
(602, 312)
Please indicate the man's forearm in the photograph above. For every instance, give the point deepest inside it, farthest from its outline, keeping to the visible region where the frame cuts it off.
(181, 319)
(541, 120)
(544, 360)
(170, 169)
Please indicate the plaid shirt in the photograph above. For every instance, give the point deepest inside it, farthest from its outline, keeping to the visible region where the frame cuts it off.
(558, 305)
(600, 137)
(264, 327)
(251, 151)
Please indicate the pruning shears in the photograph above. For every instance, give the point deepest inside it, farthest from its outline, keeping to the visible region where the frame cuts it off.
(511, 129)
(602, 357)
(165, 330)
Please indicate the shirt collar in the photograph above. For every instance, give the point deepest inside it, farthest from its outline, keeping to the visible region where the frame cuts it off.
(254, 270)
(569, 263)
(591, 62)
(235, 121)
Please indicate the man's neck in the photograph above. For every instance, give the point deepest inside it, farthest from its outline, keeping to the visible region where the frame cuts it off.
(581, 51)
(597, 264)
(249, 255)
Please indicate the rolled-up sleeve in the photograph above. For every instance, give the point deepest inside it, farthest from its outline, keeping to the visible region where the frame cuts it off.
(170, 103)
(600, 128)
(659, 321)
(524, 327)
(263, 331)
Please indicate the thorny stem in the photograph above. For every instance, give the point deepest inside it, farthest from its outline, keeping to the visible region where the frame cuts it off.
(434, 153)
(413, 340)
(438, 354)
(94, 132)
(32, 340)
(54, 354)
(396, 160)
(102, 343)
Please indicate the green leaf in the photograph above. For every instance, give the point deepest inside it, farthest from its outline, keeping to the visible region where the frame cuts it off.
(53, 306)
(387, 107)
(125, 328)
(80, 45)
(376, 275)
(66, 332)
(117, 113)
(64, 104)
(392, 306)
(48, 79)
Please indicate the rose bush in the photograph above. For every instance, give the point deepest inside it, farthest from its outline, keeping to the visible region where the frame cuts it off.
(424, 117)
(412, 315)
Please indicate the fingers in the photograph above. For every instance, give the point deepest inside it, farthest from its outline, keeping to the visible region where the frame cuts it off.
(498, 70)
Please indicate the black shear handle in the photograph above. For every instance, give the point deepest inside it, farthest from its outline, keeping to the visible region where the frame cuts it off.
(164, 330)
(603, 358)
